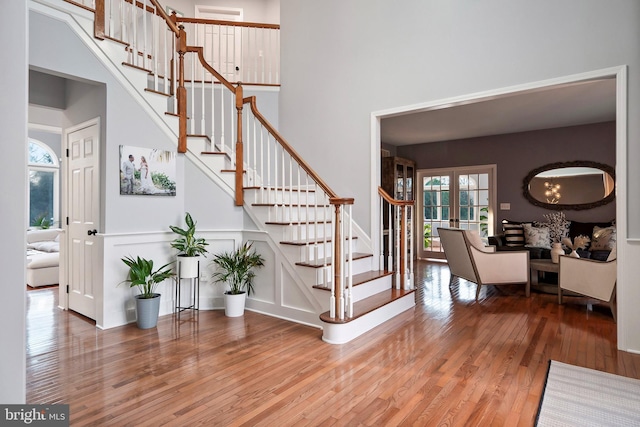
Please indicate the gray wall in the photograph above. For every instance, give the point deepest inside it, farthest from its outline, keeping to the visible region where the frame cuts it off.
(343, 61)
(48, 90)
(52, 140)
(517, 154)
(265, 11)
(13, 201)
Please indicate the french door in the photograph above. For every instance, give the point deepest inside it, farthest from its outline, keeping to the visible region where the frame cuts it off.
(453, 198)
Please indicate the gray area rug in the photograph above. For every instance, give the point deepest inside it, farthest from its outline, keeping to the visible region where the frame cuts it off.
(575, 396)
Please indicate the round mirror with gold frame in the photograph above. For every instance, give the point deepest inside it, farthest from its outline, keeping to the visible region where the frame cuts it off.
(570, 185)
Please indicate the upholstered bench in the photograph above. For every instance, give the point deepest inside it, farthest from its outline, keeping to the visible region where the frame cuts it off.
(43, 257)
(43, 269)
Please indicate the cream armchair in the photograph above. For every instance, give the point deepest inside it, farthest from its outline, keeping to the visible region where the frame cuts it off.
(471, 260)
(594, 279)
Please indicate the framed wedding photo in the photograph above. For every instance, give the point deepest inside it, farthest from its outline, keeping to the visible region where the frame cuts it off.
(147, 171)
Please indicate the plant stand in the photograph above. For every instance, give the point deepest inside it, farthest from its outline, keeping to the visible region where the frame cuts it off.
(194, 287)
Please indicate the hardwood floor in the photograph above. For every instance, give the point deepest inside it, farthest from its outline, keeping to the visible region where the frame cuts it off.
(450, 361)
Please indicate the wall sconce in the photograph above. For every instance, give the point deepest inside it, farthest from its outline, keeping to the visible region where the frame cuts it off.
(552, 192)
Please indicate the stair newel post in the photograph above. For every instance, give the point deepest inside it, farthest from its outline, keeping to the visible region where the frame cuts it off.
(239, 148)
(337, 261)
(402, 265)
(350, 263)
(411, 246)
(98, 22)
(338, 256)
(182, 92)
(397, 237)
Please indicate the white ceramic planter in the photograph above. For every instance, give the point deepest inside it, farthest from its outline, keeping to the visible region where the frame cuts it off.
(556, 252)
(188, 266)
(234, 304)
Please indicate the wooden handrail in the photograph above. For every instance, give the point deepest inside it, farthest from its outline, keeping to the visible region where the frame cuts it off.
(199, 50)
(393, 201)
(229, 23)
(160, 11)
(304, 165)
(402, 205)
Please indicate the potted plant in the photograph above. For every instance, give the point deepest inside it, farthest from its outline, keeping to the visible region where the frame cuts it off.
(235, 268)
(146, 279)
(189, 248)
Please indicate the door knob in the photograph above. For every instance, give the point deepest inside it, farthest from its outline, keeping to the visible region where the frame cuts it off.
(92, 232)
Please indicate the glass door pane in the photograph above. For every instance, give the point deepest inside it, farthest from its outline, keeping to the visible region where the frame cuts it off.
(460, 198)
(435, 207)
(473, 196)
(399, 182)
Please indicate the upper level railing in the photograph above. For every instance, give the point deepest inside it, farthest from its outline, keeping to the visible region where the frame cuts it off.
(244, 52)
(205, 101)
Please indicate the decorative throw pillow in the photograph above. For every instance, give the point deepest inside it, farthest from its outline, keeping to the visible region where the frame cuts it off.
(513, 233)
(536, 237)
(476, 241)
(557, 224)
(603, 238)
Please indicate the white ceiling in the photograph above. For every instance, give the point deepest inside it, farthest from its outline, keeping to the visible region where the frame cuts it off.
(557, 106)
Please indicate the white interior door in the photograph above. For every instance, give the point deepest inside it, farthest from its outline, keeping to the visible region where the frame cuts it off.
(83, 217)
(222, 43)
(454, 198)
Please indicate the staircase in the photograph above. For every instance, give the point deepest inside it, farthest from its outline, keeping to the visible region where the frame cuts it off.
(225, 135)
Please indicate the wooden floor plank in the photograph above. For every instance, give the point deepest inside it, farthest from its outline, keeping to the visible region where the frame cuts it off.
(450, 361)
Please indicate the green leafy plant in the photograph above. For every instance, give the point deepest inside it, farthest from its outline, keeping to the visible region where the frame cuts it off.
(427, 235)
(42, 221)
(142, 275)
(236, 268)
(484, 221)
(187, 244)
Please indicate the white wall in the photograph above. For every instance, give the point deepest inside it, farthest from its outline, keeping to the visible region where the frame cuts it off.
(264, 11)
(13, 174)
(343, 61)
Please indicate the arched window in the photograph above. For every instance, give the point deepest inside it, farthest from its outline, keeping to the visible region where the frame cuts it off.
(43, 169)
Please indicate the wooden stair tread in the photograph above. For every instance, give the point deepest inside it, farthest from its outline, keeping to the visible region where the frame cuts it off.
(362, 278)
(367, 305)
(191, 135)
(277, 189)
(157, 92)
(219, 153)
(231, 171)
(136, 67)
(318, 263)
(296, 222)
(310, 241)
(289, 205)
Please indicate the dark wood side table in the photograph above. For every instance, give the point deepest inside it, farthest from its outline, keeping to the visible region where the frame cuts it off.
(543, 265)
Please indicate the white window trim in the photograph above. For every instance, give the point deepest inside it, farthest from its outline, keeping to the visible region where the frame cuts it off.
(55, 168)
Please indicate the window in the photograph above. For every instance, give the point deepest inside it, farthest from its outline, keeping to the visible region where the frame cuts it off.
(43, 169)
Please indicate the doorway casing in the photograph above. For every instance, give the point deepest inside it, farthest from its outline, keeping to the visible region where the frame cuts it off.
(619, 73)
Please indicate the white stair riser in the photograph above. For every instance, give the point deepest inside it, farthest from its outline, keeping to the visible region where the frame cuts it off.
(314, 251)
(359, 292)
(215, 162)
(138, 79)
(280, 213)
(300, 231)
(322, 275)
(334, 333)
(288, 197)
(198, 145)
